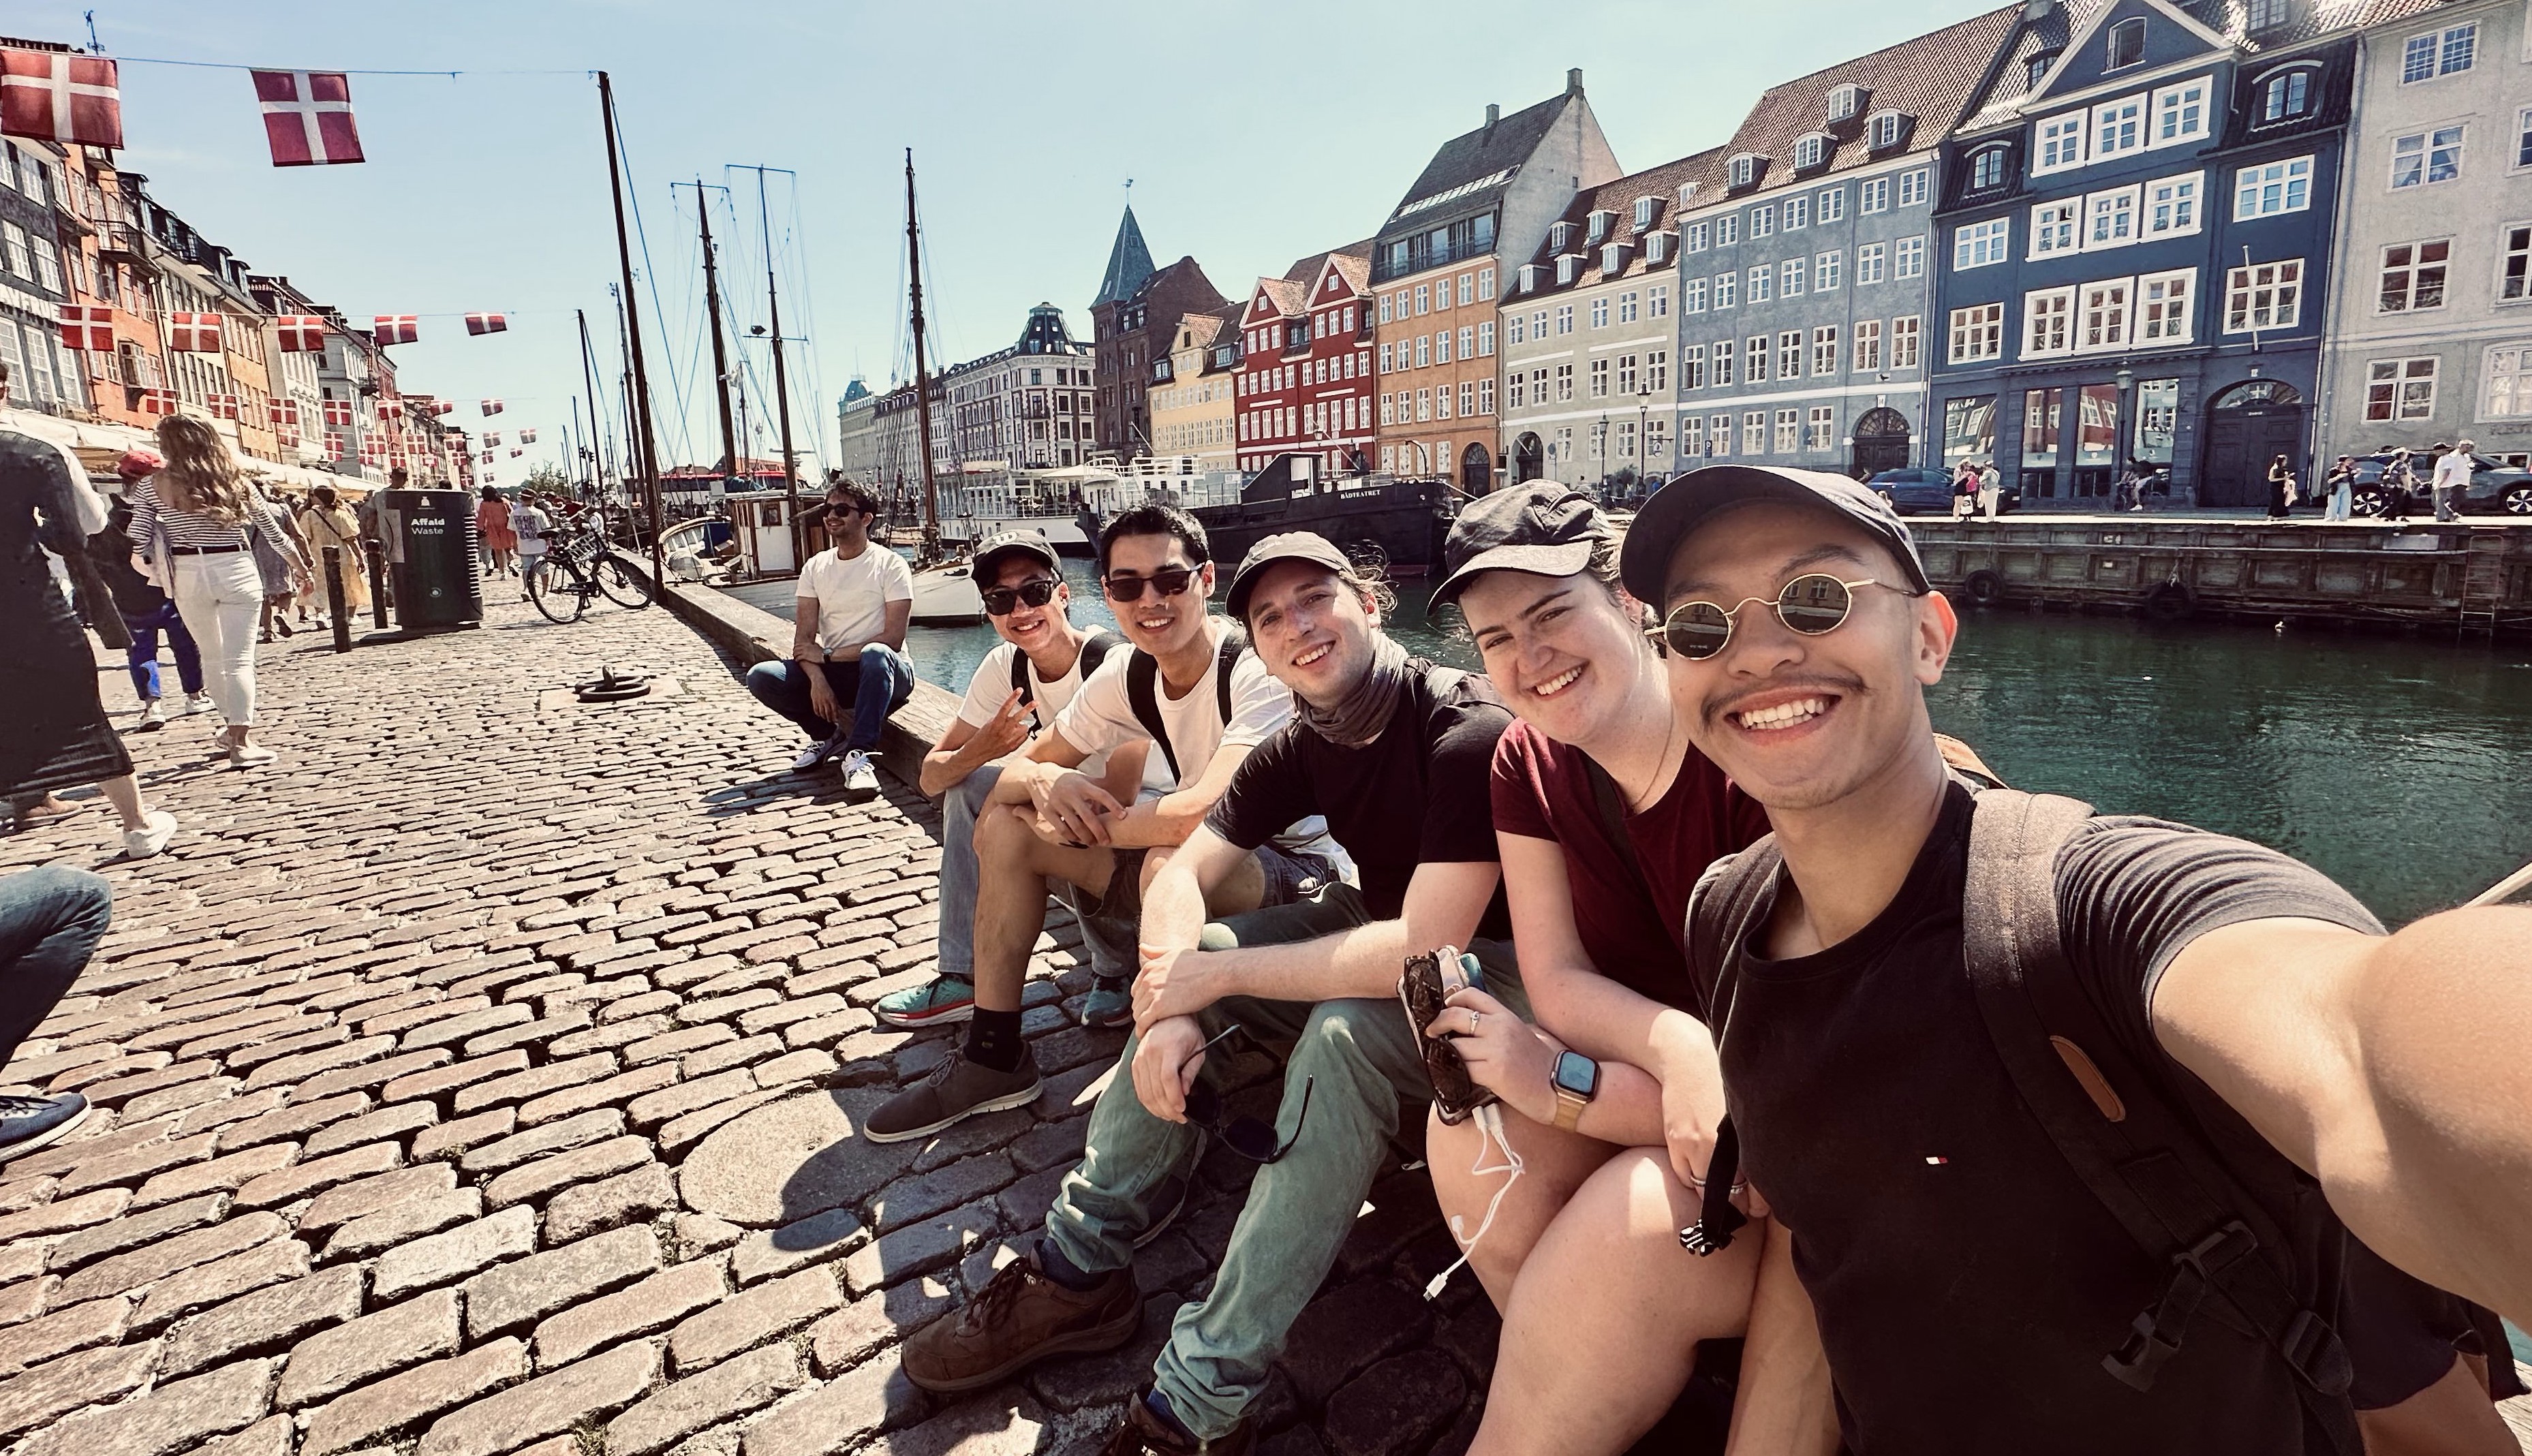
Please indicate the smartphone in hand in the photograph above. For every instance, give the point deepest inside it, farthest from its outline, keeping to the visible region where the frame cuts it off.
(1423, 989)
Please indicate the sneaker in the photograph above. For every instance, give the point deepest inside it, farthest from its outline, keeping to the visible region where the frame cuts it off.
(936, 1001)
(955, 1090)
(861, 781)
(1110, 1004)
(197, 703)
(157, 828)
(247, 756)
(816, 754)
(154, 715)
(1020, 1317)
(29, 1123)
(1143, 1430)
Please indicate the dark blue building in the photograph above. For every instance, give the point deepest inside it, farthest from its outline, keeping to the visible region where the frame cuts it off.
(2134, 229)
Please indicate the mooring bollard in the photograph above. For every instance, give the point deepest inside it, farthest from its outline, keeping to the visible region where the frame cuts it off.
(377, 561)
(334, 599)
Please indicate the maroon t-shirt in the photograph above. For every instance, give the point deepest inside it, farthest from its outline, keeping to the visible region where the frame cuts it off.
(1631, 924)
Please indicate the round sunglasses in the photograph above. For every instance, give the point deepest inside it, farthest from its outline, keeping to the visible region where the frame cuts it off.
(1036, 592)
(1810, 604)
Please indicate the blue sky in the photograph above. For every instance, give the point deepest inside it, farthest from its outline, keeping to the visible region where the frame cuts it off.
(1255, 134)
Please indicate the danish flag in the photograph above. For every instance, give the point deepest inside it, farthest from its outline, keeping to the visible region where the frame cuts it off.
(333, 442)
(193, 334)
(308, 117)
(338, 412)
(88, 327)
(386, 411)
(282, 411)
(516, 454)
(492, 407)
(527, 437)
(301, 333)
(221, 406)
(59, 96)
(157, 402)
(491, 438)
(443, 406)
(396, 328)
(486, 323)
(489, 456)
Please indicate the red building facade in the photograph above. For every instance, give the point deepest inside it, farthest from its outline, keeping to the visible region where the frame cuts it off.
(1305, 373)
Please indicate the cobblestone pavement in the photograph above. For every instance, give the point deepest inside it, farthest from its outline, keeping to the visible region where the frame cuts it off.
(475, 1078)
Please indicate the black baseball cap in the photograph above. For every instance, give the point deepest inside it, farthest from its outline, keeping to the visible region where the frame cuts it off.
(1680, 507)
(1542, 528)
(1290, 545)
(989, 552)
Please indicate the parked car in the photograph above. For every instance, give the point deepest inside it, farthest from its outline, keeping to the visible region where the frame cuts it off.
(1913, 489)
(2495, 488)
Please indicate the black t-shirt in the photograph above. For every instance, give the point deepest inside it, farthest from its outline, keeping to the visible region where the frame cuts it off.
(1417, 795)
(1967, 1282)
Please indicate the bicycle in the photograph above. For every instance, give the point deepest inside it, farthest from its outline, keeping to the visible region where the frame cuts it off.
(580, 566)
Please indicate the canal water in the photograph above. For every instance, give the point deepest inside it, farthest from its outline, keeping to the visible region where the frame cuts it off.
(2400, 766)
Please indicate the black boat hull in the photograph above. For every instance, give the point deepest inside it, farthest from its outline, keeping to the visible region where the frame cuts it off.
(1398, 525)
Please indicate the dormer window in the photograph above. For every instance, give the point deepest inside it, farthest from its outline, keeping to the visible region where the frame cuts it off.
(1598, 223)
(1886, 131)
(1531, 274)
(2036, 69)
(1811, 153)
(1560, 235)
(1988, 169)
(1844, 102)
(1647, 209)
(2286, 94)
(1744, 170)
(2265, 15)
(2127, 42)
(1569, 266)
(1686, 194)
(1657, 249)
(1613, 260)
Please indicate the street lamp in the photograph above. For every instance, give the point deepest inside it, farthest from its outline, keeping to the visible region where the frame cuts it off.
(1643, 436)
(2125, 382)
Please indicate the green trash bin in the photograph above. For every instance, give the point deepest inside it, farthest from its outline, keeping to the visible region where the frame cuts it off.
(430, 539)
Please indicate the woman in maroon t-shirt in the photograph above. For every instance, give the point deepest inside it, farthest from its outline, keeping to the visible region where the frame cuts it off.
(1602, 1307)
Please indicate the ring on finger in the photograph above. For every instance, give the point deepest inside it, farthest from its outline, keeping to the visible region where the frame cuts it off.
(1472, 1020)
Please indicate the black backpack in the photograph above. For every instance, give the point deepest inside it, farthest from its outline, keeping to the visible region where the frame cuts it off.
(2253, 1231)
(1143, 691)
(1094, 651)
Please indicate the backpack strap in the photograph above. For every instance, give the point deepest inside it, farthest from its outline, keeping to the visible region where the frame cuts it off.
(1722, 910)
(1234, 643)
(2117, 1131)
(1143, 694)
(1613, 814)
(1020, 679)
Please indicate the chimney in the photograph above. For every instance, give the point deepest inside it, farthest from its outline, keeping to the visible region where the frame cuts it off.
(1574, 82)
(1494, 113)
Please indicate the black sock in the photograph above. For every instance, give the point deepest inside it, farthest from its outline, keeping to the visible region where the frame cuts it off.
(1052, 1262)
(994, 1039)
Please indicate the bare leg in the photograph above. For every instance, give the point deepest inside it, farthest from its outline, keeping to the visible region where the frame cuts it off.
(2450, 1418)
(1012, 865)
(1554, 1164)
(1606, 1317)
(125, 794)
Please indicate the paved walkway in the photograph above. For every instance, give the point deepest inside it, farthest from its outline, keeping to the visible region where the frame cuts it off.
(478, 1080)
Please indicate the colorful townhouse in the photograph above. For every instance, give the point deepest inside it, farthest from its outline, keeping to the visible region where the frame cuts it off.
(1305, 382)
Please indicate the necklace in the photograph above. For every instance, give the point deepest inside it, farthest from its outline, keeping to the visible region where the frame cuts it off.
(1670, 731)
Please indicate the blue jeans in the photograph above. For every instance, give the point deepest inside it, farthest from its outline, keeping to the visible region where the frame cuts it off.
(143, 654)
(876, 685)
(1108, 954)
(50, 920)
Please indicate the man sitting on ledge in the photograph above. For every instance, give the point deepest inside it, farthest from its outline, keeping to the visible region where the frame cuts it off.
(851, 604)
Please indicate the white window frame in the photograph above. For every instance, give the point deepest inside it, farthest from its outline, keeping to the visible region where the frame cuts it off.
(1908, 341)
(2178, 307)
(1694, 237)
(2188, 192)
(1832, 204)
(2244, 287)
(1913, 185)
(1819, 431)
(1908, 257)
(1868, 344)
(1789, 432)
(1824, 350)
(2112, 218)
(1727, 291)
(2401, 376)
(1798, 212)
(1828, 271)
(1974, 333)
(2412, 270)
(2513, 244)
(1692, 295)
(2058, 143)
(1763, 221)
(1791, 277)
(2048, 322)
(1809, 151)
(2251, 184)
(2428, 144)
(2105, 317)
(2196, 92)
(1727, 230)
(2516, 374)
(2055, 227)
(1762, 285)
(1872, 264)
(1883, 130)
(1873, 195)
(2118, 126)
(2440, 45)
(1978, 245)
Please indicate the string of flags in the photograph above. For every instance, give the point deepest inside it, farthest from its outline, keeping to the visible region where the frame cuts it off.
(492, 407)
(308, 117)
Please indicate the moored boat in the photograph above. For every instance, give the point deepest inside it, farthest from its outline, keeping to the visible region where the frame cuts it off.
(1377, 520)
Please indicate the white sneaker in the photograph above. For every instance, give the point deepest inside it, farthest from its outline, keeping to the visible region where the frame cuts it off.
(248, 756)
(861, 781)
(197, 702)
(815, 754)
(157, 828)
(154, 715)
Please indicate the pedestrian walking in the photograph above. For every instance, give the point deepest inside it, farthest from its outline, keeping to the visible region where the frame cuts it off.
(2132, 488)
(197, 523)
(1990, 488)
(528, 524)
(2399, 483)
(50, 920)
(2452, 478)
(328, 523)
(58, 733)
(281, 558)
(2281, 488)
(1964, 490)
(495, 543)
(145, 611)
(2342, 490)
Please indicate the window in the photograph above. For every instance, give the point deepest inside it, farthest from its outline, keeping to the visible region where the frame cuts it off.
(1516, 389)
(1657, 301)
(2264, 295)
(1538, 326)
(2285, 95)
(1979, 244)
(1789, 354)
(2180, 112)
(1627, 307)
(1824, 350)
(1600, 378)
(1694, 238)
(1827, 272)
(2523, 138)
(1727, 230)
(1485, 277)
(1513, 332)
(2265, 15)
(1743, 170)
(1468, 289)
(1600, 313)
(2413, 277)
(1798, 212)
(1762, 283)
(1424, 405)
(1977, 333)
(1723, 357)
(1753, 359)
(2061, 144)
(2052, 228)
(2399, 389)
(1906, 336)
(1885, 131)
(1539, 386)
(1691, 367)
(1843, 102)
(2508, 371)
(1468, 342)
(2127, 42)
(1657, 370)
(1762, 223)
(1912, 187)
(1870, 262)
(1564, 383)
(1809, 153)
(1564, 318)
(2421, 158)
(2279, 186)
(1692, 437)
(2512, 283)
(1868, 345)
(2118, 126)
(2439, 53)
(2035, 70)
(1727, 290)
(2046, 320)
(2171, 206)
(1626, 374)
(1469, 397)
(1424, 350)
(1789, 431)
(2162, 315)
(1423, 299)
(2105, 315)
(1656, 437)
(1912, 258)
(1832, 205)
(1873, 195)
(1819, 431)
(1753, 432)
(1485, 340)
(1692, 296)
(1789, 276)
(1987, 168)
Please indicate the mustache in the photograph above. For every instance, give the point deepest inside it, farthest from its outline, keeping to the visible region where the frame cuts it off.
(1716, 705)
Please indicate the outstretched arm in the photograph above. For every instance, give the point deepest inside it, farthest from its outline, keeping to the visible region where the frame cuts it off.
(2398, 1070)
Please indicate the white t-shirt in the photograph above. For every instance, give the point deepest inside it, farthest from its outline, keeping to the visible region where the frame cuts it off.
(2453, 469)
(993, 683)
(852, 596)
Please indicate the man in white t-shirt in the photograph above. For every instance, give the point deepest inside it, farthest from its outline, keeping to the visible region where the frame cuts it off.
(1029, 678)
(850, 605)
(1048, 820)
(2451, 478)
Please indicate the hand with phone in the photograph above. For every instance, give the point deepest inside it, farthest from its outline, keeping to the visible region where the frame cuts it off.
(1504, 1054)
(1425, 989)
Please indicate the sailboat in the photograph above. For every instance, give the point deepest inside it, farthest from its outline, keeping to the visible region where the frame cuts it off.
(944, 578)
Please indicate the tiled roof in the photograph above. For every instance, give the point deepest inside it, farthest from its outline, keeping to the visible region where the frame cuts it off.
(1705, 169)
(1928, 78)
(1485, 158)
(1289, 295)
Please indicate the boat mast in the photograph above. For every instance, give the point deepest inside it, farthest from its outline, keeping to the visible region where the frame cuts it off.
(588, 373)
(782, 385)
(644, 448)
(922, 378)
(720, 352)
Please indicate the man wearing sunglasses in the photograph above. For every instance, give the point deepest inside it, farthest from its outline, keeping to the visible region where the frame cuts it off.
(850, 605)
(1017, 690)
(1971, 1210)
(1205, 704)
(1396, 754)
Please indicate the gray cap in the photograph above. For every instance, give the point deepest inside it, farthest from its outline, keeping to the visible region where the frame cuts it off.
(1540, 527)
(1002, 543)
(1680, 507)
(1290, 545)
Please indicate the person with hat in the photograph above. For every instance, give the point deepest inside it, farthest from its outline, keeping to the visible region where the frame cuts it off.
(851, 604)
(1036, 669)
(1393, 751)
(2063, 1112)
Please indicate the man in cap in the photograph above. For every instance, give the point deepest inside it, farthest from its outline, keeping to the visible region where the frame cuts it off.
(1019, 687)
(2010, 1074)
(1396, 753)
(850, 605)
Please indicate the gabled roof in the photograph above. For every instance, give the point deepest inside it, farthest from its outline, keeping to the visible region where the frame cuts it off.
(1483, 160)
(1129, 263)
(1931, 78)
(1703, 169)
(1350, 264)
(1286, 297)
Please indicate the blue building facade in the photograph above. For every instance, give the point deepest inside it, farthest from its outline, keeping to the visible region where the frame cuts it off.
(2133, 230)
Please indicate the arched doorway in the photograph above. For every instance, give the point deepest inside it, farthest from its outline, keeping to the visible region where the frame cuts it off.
(1476, 469)
(1881, 442)
(2247, 426)
(1528, 458)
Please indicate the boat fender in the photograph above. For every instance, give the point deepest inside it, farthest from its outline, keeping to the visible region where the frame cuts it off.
(2170, 603)
(1984, 588)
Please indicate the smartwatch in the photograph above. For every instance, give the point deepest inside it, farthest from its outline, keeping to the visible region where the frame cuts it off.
(1576, 1081)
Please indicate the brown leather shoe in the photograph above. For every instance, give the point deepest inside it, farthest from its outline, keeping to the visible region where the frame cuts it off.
(1141, 1433)
(1020, 1317)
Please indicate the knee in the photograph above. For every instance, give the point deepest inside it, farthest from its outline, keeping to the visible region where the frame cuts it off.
(1003, 836)
(767, 678)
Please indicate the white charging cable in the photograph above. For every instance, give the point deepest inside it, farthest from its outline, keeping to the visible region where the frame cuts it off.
(1489, 1120)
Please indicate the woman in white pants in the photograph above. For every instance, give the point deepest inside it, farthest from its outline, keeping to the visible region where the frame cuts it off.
(195, 522)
